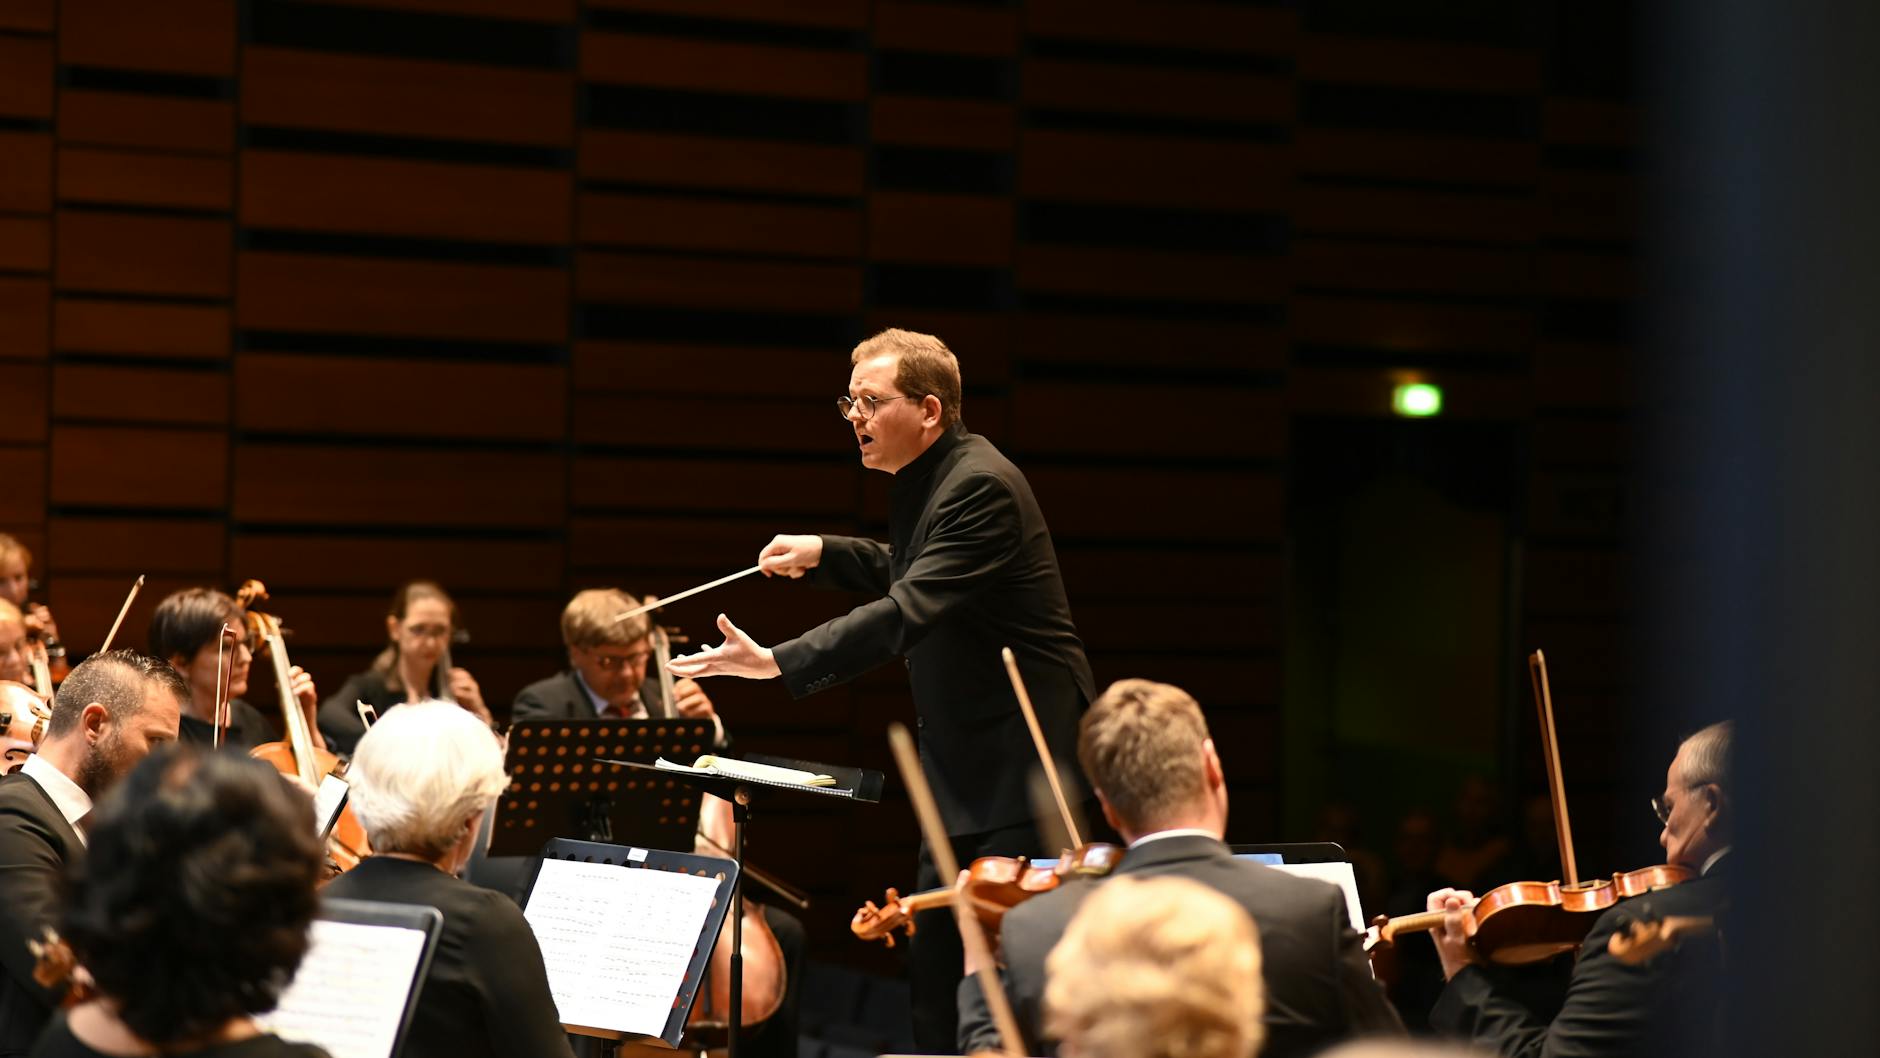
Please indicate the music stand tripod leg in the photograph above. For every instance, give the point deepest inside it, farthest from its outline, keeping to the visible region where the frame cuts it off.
(740, 812)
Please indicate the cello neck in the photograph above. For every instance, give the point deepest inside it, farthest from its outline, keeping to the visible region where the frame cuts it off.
(662, 653)
(295, 721)
(441, 674)
(1556, 782)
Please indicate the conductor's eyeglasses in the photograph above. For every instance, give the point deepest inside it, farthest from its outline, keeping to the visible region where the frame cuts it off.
(865, 407)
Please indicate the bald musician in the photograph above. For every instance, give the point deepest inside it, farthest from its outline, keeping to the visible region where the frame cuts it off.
(1612, 1008)
(970, 569)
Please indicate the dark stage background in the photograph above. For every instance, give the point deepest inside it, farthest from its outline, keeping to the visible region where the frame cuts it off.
(530, 296)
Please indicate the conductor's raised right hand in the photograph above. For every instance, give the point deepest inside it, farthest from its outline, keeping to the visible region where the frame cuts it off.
(790, 556)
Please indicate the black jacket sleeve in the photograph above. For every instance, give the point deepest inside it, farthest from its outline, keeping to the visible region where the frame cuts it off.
(852, 563)
(1606, 1010)
(30, 867)
(975, 531)
(339, 716)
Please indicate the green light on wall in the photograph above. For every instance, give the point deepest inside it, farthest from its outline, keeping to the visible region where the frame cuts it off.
(1417, 400)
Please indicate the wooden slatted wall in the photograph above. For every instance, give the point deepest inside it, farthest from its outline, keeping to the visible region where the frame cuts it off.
(534, 295)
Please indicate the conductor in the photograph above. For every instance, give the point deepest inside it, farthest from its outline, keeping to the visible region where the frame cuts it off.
(969, 569)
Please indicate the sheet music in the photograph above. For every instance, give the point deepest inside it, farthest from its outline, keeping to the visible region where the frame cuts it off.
(351, 990)
(617, 940)
(1340, 875)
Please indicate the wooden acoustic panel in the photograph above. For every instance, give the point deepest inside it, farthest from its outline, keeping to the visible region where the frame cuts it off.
(1173, 422)
(131, 253)
(727, 486)
(126, 547)
(405, 97)
(951, 124)
(1206, 27)
(29, 16)
(111, 394)
(1401, 325)
(1152, 576)
(142, 328)
(678, 544)
(699, 65)
(944, 28)
(23, 317)
(26, 178)
(25, 386)
(691, 222)
(332, 485)
(166, 123)
(700, 282)
(158, 469)
(1194, 626)
(1151, 274)
(969, 230)
(1142, 170)
(300, 191)
(1192, 341)
(1415, 156)
(1392, 266)
(327, 294)
(712, 162)
(1446, 216)
(369, 563)
(140, 178)
(374, 396)
(741, 425)
(26, 77)
(1419, 64)
(88, 603)
(1159, 504)
(561, 11)
(23, 501)
(177, 36)
(822, 14)
(1185, 94)
(25, 244)
(652, 368)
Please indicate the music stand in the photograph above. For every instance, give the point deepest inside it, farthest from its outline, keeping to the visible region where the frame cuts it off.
(719, 874)
(852, 784)
(558, 788)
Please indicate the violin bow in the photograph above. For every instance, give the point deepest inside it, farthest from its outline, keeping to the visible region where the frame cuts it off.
(1044, 751)
(122, 610)
(1556, 782)
(224, 679)
(971, 932)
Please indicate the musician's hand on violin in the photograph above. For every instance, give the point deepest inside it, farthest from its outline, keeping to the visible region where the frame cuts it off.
(463, 687)
(971, 965)
(790, 556)
(1452, 937)
(689, 701)
(738, 655)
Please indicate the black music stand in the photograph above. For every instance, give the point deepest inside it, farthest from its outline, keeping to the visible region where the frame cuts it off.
(633, 858)
(559, 789)
(852, 784)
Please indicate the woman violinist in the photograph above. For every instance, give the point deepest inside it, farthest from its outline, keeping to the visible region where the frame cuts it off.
(414, 665)
(184, 631)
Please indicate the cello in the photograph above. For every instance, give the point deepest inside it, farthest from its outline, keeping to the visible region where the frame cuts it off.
(1529, 922)
(297, 755)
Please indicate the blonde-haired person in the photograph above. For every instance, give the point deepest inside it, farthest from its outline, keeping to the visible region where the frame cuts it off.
(1157, 968)
(422, 778)
(607, 674)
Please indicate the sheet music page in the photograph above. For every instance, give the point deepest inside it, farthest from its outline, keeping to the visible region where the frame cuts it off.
(1340, 875)
(616, 940)
(351, 989)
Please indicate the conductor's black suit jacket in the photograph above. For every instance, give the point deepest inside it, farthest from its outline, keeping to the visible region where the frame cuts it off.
(1319, 988)
(970, 569)
(37, 846)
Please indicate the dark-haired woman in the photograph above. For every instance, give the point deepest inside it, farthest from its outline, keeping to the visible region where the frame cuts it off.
(184, 631)
(419, 624)
(191, 913)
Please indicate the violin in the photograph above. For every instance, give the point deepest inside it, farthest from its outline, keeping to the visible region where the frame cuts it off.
(1529, 922)
(993, 885)
(297, 755)
(24, 714)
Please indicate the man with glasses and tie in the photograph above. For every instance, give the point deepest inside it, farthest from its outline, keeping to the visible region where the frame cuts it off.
(607, 663)
(1663, 1004)
(969, 569)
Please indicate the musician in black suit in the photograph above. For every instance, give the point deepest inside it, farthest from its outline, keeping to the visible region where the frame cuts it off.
(110, 712)
(1612, 1007)
(606, 674)
(1159, 781)
(970, 569)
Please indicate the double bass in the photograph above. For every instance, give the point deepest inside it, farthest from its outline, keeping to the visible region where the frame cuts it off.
(297, 755)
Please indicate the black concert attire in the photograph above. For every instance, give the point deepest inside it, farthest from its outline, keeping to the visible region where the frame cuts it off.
(339, 713)
(1668, 1004)
(487, 995)
(247, 729)
(1319, 988)
(60, 1043)
(970, 570)
(38, 844)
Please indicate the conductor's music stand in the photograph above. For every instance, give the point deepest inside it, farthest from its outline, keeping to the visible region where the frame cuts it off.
(852, 784)
(558, 787)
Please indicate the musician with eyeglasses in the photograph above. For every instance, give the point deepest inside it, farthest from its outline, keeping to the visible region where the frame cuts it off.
(969, 569)
(1617, 1003)
(607, 672)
